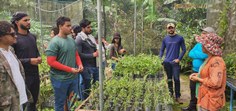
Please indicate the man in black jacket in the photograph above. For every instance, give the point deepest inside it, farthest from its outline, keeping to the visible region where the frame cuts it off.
(27, 51)
(87, 49)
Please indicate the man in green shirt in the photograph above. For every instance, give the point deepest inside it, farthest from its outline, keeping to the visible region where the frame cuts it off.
(65, 63)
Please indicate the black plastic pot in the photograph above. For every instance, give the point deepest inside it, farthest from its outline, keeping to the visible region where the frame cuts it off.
(117, 108)
(138, 109)
(147, 108)
(129, 108)
(168, 107)
(158, 107)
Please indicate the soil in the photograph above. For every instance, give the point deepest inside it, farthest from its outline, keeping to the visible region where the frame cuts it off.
(185, 90)
(185, 93)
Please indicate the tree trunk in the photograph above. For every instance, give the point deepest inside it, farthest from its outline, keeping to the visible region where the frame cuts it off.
(215, 7)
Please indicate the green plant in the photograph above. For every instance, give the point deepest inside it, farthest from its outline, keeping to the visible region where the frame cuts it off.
(230, 61)
(148, 94)
(223, 19)
(140, 65)
(45, 86)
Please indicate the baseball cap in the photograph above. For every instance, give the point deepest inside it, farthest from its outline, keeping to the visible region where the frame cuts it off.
(170, 25)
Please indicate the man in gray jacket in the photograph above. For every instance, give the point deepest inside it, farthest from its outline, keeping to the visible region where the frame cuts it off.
(88, 52)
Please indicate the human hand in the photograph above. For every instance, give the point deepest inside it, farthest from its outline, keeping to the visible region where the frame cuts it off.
(122, 51)
(75, 70)
(81, 68)
(39, 60)
(95, 54)
(34, 61)
(192, 76)
(176, 60)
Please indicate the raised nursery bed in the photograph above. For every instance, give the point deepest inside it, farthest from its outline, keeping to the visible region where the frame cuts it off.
(137, 84)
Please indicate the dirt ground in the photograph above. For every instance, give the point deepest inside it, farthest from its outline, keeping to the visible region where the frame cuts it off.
(185, 90)
(185, 93)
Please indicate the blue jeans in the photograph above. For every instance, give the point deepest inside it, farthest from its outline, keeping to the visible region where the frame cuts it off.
(80, 86)
(173, 70)
(90, 74)
(113, 66)
(62, 90)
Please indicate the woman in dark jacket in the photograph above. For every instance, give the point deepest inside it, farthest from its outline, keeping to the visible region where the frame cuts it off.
(117, 49)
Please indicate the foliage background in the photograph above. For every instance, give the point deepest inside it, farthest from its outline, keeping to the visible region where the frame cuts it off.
(152, 17)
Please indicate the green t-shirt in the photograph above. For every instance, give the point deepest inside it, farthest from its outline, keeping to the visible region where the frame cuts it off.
(64, 49)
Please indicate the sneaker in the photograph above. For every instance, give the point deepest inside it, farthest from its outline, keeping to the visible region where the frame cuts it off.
(178, 101)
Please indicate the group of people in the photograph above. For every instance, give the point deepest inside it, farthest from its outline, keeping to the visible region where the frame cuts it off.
(73, 62)
(74, 65)
(19, 56)
(208, 80)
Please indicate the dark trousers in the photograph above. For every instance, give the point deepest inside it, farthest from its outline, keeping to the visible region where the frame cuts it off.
(90, 74)
(173, 70)
(33, 83)
(193, 100)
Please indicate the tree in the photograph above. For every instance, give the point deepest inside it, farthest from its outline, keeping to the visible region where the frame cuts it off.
(221, 16)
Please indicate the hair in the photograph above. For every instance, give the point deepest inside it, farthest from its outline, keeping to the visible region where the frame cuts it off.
(55, 30)
(16, 17)
(113, 41)
(84, 23)
(5, 28)
(77, 29)
(62, 20)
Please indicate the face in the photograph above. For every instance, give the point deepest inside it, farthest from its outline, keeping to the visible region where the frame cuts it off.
(117, 40)
(66, 28)
(73, 34)
(204, 33)
(24, 23)
(9, 38)
(171, 30)
(204, 49)
(52, 34)
(88, 29)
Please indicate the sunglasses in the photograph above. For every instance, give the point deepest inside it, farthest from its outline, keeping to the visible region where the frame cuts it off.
(13, 34)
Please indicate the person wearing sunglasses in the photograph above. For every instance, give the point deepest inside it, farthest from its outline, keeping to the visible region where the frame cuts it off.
(27, 51)
(13, 91)
(172, 43)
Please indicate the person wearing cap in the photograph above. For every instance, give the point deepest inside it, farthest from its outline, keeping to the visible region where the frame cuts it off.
(198, 57)
(87, 48)
(173, 43)
(116, 50)
(211, 79)
(13, 91)
(27, 51)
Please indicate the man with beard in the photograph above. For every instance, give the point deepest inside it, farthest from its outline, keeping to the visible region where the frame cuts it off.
(65, 63)
(172, 43)
(27, 51)
(88, 52)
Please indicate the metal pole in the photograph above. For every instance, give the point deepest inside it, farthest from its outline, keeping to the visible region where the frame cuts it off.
(142, 30)
(100, 55)
(134, 25)
(40, 18)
